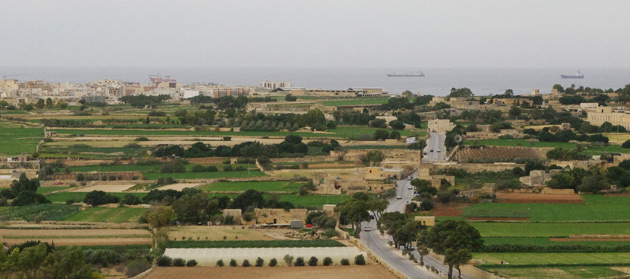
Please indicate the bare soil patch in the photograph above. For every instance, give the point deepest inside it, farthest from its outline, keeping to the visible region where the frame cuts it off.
(179, 186)
(79, 237)
(448, 210)
(230, 232)
(331, 166)
(305, 272)
(538, 198)
(105, 188)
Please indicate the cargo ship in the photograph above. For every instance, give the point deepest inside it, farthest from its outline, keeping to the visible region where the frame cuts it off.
(418, 74)
(578, 75)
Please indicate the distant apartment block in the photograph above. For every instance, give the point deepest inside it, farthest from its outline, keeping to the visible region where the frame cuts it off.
(616, 116)
(275, 84)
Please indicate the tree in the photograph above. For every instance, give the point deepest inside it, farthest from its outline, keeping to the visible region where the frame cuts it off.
(453, 235)
(424, 186)
(49, 103)
(251, 198)
(160, 216)
(96, 198)
(355, 210)
(594, 183)
(195, 207)
(290, 98)
(460, 92)
(397, 125)
(28, 197)
(381, 134)
(456, 258)
(373, 158)
(515, 111)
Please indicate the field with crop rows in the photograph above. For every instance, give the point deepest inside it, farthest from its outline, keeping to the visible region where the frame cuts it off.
(18, 139)
(254, 244)
(114, 215)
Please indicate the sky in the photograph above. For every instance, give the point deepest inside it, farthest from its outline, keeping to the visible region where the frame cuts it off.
(322, 33)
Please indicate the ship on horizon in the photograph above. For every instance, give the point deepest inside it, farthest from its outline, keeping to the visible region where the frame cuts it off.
(578, 75)
(158, 79)
(418, 74)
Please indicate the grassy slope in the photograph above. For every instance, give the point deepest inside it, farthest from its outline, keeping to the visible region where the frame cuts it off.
(15, 140)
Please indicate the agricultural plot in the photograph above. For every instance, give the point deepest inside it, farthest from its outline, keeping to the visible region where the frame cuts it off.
(546, 259)
(81, 237)
(525, 229)
(114, 215)
(50, 189)
(79, 196)
(590, 149)
(265, 186)
(19, 139)
(204, 175)
(559, 272)
(498, 154)
(254, 244)
(51, 212)
(357, 101)
(373, 271)
(595, 208)
(214, 233)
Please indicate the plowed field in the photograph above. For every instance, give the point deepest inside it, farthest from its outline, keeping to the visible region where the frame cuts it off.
(304, 272)
(538, 198)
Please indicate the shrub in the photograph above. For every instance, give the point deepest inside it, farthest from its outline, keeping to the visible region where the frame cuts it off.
(220, 263)
(288, 259)
(259, 262)
(142, 139)
(164, 261)
(246, 263)
(233, 262)
(626, 144)
(344, 261)
(327, 261)
(191, 263)
(179, 262)
(212, 169)
(359, 260)
(273, 262)
(198, 168)
(136, 267)
(227, 168)
(312, 261)
(299, 261)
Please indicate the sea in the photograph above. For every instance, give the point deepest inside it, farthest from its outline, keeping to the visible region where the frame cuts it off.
(437, 81)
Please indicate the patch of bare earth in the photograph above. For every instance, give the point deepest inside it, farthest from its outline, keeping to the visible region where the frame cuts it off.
(448, 210)
(311, 272)
(79, 237)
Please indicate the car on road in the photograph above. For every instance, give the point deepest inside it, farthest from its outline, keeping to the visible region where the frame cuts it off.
(399, 197)
(409, 177)
(431, 150)
(367, 229)
(439, 151)
(409, 187)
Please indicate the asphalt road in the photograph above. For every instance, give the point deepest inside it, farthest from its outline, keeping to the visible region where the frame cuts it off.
(435, 150)
(378, 244)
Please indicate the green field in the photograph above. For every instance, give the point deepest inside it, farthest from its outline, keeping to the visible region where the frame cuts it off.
(516, 259)
(556, 272)
(79, 196)
(268, 186)
(254, 244)
(144, 168)
(595, 208)
(204, 175)
(497, 229)
(316, 201)
(357, 101)
(51, 212)
(17, 139)
(115, 215)
(544, 241)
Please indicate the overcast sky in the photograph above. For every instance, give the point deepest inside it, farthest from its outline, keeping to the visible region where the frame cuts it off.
(322, 33)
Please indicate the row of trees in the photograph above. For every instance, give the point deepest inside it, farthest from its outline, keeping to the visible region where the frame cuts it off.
(43, 261)
(292, 146)
(23, 192)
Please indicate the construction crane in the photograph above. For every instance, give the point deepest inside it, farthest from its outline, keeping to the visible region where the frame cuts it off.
(16, 75)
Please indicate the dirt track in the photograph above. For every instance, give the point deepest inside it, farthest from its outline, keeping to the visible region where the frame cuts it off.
(80, 237)
(310, 272)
